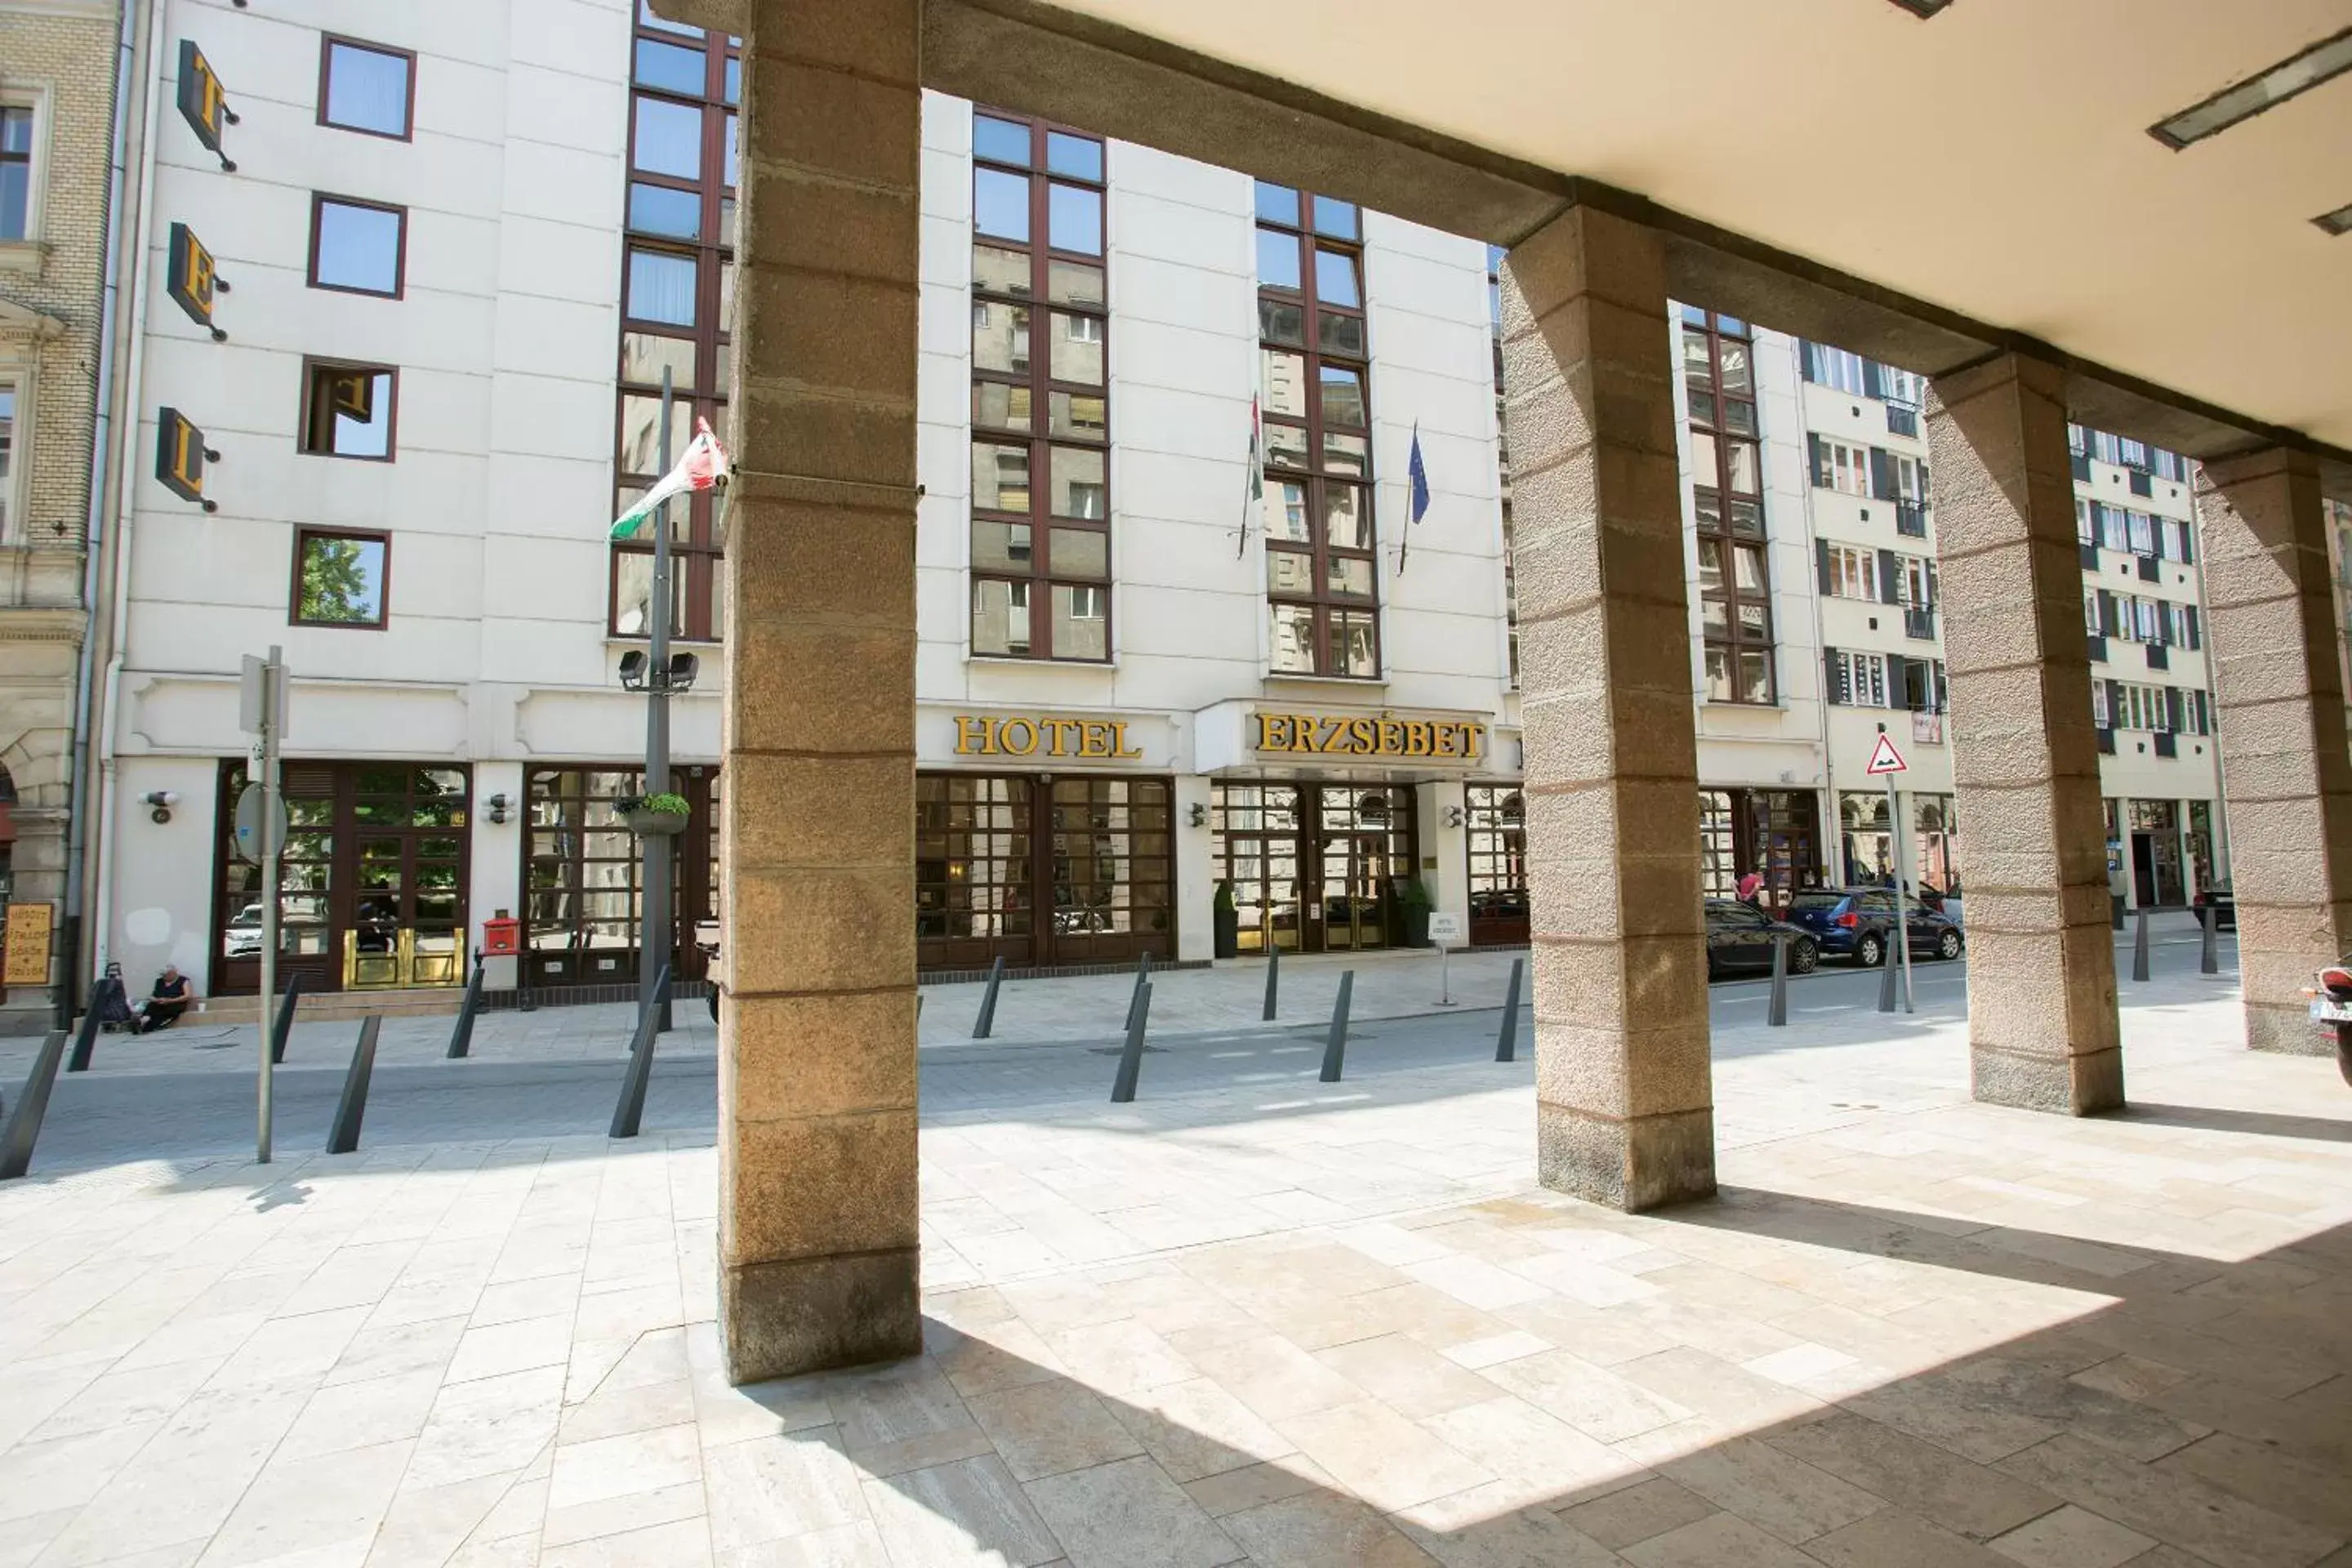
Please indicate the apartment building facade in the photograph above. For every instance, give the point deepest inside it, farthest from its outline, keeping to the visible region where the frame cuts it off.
(57, 60)
(1216, 648)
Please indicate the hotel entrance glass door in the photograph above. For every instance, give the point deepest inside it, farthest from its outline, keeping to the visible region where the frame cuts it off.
(1355, 868)
(1313, 866)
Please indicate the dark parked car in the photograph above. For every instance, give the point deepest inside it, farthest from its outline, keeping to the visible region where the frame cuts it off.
(1739, 937)
(2224, 903)
(1859, 923)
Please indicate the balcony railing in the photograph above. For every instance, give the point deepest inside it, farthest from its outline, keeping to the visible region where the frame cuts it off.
(1911, 518)
(1919, 621)
(2159, 656)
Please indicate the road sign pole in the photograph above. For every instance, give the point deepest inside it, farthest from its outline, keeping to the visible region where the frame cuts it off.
(265, 713)
(1902, 900)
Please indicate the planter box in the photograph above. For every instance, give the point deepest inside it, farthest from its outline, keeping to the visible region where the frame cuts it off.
(650, 824)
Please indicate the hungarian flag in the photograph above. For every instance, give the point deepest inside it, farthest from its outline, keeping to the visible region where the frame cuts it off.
(700, 468)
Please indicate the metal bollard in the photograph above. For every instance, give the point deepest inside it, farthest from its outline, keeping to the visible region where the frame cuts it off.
(631, 1110)
(1776, 1012)
(25, 1120)
(1507, 1037)
(1273, 979)
(1886, 978)
(461, 1038)
(87, 1040)
(345, 1137)
(1131, 1059)
(2140, 948)
(2209, 960)
(1142, 983)
(280, 1031)
(1335, 1049)
(987, 1019)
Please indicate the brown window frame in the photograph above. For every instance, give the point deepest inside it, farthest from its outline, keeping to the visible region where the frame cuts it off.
(390, 452)
(1317, 477)
(698, 552)
(1718, 528)
(327, 42)
(303, 534)
(319, 200)
(1041, 582)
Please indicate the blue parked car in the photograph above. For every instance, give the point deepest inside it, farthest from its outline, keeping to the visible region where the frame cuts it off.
(1859, 923)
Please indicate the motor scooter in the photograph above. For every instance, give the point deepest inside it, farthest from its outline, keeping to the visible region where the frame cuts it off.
(2331, 1005)
(714, 972)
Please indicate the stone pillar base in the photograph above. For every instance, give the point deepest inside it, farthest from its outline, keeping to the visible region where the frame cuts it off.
(2287, 1030)
(1644, 1164)
(2067, 1086)
(778, 1319)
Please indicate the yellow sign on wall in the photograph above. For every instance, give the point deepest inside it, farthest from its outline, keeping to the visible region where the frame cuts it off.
(25, 961)
(1346, 735)
(1020, 735)
(189, 276)
(203, 104)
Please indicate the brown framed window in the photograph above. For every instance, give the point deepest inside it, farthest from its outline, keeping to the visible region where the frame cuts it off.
(1727, 477)
(677, 299)
(1322, 544)
(367, 87)
(1041, 565)
(358, 246)
(342, 577)
(349, 410)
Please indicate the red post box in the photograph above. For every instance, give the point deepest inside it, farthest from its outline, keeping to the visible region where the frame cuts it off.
(501, 934)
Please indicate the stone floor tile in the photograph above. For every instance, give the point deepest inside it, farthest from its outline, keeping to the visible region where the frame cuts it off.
(773, 1489)
(142, 1394)
(1513, 1440)
(550, 1295)
(487, 1427)
(1799, 1363)
(2128, 1427)
(511, 1348)
(634, 1461)
(1322, 1529)
(359, 1415)
(1274, 1377)
(1128, 1514)
(2070, 1537)
(960, 1512)
(381, 1350)
(1410, 1377)
(1044, 1429)
(1481, 1527)
(302, 1505)
(1476, 1283)
(2130, 1377)
(1197, 1429)
(2169, 1506)
(1602, 1338)
(681, 1543)
(1934, 1483)
(522, 1512)
(1952, 1417)
(424, 1526)
(1477, 1354)
(1119, 1357)
(2321, 1499)
(1737, 1400)
(1785, 1495)
(981, 1360)
(1380, 1455)
(843, 1546)
(1593, 1400)
(1636, 1512)
(1894, 1536)
(639, 1407)
(1718, 1540)
(623, 1512)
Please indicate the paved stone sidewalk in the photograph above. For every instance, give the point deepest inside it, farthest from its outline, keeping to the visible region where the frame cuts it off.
(1276, 1322)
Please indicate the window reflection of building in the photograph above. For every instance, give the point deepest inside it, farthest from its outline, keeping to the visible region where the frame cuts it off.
(1495, 824)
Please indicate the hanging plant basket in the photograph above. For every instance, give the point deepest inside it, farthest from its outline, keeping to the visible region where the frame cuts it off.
(646, 823)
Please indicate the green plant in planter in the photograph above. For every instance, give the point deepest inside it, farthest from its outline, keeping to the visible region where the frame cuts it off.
(1222, 902)
(667, 803)
(1412, 893)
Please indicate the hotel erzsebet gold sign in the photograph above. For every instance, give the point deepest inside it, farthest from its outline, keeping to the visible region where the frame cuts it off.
(1337, 736)
(1085, 740)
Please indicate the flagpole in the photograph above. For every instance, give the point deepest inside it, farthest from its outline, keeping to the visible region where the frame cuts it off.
(656, 944)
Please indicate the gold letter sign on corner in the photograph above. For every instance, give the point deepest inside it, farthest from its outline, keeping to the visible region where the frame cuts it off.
(1326, 735)
(1020, 735)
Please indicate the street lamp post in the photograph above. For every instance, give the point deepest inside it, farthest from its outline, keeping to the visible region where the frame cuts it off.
(656, 945)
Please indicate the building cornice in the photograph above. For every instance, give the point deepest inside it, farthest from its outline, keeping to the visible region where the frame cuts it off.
(24, 321)
(42, 624)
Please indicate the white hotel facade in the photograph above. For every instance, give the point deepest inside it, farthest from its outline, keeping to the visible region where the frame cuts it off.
(461, 242)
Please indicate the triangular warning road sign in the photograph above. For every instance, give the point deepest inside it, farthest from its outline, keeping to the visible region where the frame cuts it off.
(1886, 759)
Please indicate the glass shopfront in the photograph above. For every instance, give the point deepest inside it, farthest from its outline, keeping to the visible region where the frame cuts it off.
(372, 884)
(1314, 868)
(1042, 871)
(1494, 818)
(1770, 831)
(583, 875)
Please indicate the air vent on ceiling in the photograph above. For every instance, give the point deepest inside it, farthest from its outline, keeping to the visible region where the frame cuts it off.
(2298, 73)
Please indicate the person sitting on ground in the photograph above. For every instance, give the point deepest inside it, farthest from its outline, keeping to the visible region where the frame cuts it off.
(173, 996)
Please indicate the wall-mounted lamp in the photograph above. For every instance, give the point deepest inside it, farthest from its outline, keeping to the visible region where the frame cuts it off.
(162, 801)
(498, 805)
(677, 680)
(1453, 816)
(1200, 814)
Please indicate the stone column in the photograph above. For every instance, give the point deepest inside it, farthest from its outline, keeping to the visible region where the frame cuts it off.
(2025, 757)
(818, 1212)
(2285, 779)
(1624, 1103)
